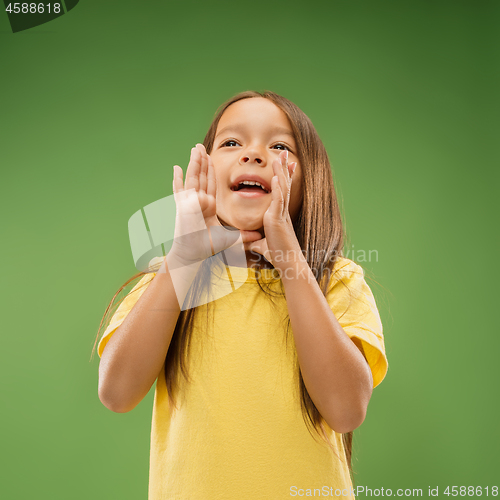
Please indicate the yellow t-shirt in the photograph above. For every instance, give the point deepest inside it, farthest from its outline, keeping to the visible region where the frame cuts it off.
(238, 431)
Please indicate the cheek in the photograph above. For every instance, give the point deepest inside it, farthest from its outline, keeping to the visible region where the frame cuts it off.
(221, 177)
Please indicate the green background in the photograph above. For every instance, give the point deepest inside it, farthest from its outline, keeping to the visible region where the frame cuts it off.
(98, 105)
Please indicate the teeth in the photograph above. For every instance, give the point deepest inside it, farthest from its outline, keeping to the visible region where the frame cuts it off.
(252, 183)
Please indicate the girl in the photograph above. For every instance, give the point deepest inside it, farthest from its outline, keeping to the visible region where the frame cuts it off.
(257, 392)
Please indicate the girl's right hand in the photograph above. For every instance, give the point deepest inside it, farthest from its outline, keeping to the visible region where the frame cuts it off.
(198, 233)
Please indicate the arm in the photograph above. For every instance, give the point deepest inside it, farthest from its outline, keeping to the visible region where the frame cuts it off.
(334, 370)
(134, 355)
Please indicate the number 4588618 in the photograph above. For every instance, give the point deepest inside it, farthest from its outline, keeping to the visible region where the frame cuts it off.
(471, 491)
(33, 8)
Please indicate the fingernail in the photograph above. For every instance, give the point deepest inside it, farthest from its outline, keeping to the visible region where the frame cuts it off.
(294, 167)
(286, 154)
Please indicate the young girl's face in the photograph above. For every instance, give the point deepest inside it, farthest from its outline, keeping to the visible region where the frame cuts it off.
(250, 135)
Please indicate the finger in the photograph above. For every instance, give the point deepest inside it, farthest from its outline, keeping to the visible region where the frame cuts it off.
(282, 181)
(222, 239)
(288, 181)
(277, 202)
(203, 167)
(287, 174)
(202, 198)
(193, 170)
(283, 173)
(291, 169)
(211, 181)
(283, 162)
(250, 236)
(177, 183)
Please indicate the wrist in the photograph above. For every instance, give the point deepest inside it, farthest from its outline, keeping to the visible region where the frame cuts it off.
(298, 270)
(176, 261)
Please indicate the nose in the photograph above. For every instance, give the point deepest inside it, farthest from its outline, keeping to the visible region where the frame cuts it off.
(253, 156)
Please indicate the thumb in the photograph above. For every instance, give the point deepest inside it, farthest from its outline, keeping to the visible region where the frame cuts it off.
(249, 236)
(222, 238)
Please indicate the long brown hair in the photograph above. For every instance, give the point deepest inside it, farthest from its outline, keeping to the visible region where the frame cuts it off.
(319, 231)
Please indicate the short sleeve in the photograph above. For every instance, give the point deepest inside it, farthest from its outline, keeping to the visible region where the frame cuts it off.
(352, 302)
(123, 309)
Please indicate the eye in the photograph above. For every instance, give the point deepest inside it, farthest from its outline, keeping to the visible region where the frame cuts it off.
(282, 147)
(230, 143)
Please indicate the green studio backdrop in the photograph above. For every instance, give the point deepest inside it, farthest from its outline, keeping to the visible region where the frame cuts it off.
(97, 105)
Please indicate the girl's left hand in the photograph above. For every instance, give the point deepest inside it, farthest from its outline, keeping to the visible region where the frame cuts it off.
(280, 245)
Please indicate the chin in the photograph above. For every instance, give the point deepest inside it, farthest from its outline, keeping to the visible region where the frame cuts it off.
(245, 225)
(252, 226)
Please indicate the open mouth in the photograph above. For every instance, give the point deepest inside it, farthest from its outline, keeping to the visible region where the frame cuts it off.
(250, 187)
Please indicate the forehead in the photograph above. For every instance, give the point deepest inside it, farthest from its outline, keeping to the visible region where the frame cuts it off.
(254, 112)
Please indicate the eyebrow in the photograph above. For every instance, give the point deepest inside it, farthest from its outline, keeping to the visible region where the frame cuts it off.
(239, 128)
